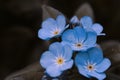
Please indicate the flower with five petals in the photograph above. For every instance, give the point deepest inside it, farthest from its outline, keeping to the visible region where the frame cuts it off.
(57, 59)
(52, 28)
(79, 39)
(87, 23)
(92, 64)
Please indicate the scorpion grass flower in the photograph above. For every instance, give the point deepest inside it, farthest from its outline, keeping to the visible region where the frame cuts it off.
(87, 23)
(92, 63)
(74, 20)
(52, 28)
(79, 39)
(57, 59)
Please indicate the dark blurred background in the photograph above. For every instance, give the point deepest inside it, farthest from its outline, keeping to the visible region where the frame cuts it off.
(21, 19)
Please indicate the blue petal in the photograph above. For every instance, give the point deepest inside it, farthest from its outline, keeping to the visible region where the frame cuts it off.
(81, 34)
(49, 24)
(44, 34)
(56, 48)
(89, 29)
(64, 43)
(103, 66)
(53, 70)
(86, 21)
(77, 48)
(69, 36)
(74, 20)
(81, 58)
(47, 59)
(82, 71)
(61, 21)
(67, 52)
(67, 65)
(83, 48)
(97, 28)
(90, 40)
(95, 55)
(99, 76)
(70, 44)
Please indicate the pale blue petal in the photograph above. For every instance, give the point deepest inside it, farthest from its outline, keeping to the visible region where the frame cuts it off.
(95, 55)
(75, 48)
(72, 45)
(89, 29)
(83, 48)
(97, 28)
(61, 21)
(86, 47)
(67, 65)
(69, 36)
(53, 70)
(47, 59)
(103, 66)
(44, 34)
(67, 52)
(81, 58)
(86, 21)
(90, 39)
(82, 71)
(99, 76)
(74, 20)
(49, 24)
(56, 48)
(81, 34)
(64, 43)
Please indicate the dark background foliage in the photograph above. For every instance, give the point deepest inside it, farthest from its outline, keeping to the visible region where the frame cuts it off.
(21, 19)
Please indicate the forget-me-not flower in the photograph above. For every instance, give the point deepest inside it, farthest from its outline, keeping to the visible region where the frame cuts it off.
(52, 28)
(74, 20)
(57, 59)
(87, 23)
(92, 63)
(79, 39)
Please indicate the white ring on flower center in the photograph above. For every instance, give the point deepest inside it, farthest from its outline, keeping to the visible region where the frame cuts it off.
(78, 45)
(60, 60)
(56, 31)
(90, 67)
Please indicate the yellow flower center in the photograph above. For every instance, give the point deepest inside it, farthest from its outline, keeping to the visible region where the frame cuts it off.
(60, 60)
(56, 32)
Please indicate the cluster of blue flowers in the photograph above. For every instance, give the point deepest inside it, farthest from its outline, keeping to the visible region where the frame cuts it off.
(78, 37)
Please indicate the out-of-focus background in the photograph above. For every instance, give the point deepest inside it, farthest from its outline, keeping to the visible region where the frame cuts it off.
(21, 19)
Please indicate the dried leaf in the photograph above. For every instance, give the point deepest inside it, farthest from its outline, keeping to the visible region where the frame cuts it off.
(84, 10)
(49, 12)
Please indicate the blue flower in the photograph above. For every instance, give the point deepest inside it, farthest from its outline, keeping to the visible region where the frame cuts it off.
(74, 20)
(92, 63)
(79, 39)
(57, 59)
(87, 23)
(52, 28)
